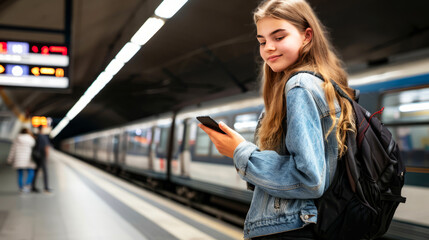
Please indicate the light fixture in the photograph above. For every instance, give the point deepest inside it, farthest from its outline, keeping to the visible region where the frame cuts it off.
(17, 71)
(61, 125)
(81, 104)
(127, 52)
(93, 90)
(147, 30)
(114, 66)
(98, 84)
(168, 8)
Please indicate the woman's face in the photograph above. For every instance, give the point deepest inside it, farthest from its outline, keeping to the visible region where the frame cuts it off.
(280, 42)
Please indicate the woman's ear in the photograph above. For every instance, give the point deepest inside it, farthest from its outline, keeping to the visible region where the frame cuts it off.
(308, 35)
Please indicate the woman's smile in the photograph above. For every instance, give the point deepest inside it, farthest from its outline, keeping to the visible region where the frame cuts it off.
(273, 58)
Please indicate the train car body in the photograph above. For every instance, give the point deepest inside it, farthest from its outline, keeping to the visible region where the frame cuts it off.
(140, 147)
(199, 165)
(147, 145)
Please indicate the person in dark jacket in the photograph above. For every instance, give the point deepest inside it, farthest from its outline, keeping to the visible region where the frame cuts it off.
(42, 146)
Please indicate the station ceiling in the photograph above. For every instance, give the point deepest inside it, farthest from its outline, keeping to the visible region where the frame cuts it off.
(206, 51)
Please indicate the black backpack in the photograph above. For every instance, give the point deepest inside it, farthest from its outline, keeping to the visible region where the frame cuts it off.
(366, 188)
(36, 153)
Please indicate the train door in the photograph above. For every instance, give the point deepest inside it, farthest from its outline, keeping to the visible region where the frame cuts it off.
(89, 149)
(96, 148)
(152, 148)
(109, 148)
(185, 155)
(122, 148)
(177, 155)
(161, 146)
(115, 148)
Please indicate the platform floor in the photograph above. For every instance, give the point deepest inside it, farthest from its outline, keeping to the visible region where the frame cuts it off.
(88, 204)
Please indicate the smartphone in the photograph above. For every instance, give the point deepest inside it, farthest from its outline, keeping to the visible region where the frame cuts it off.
(209, 122)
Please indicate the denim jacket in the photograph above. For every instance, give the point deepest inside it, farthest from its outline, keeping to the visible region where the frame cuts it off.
(285, 185)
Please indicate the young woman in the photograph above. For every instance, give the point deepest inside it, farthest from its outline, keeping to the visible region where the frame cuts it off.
(20, 157)
(303, 129)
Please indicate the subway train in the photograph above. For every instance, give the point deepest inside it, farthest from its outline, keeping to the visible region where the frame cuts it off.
(171, 148)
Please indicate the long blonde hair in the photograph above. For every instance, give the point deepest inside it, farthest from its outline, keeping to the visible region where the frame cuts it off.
(318, 56)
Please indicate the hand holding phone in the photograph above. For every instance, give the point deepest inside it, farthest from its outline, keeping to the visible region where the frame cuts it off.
(209, 122)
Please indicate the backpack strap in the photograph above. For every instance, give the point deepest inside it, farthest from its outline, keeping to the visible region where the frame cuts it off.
(336, 87)
(393, 198)
(340, 91)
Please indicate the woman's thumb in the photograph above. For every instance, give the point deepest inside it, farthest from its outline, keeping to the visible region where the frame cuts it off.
(225, 128)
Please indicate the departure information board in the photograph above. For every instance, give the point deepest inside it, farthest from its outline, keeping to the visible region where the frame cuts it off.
(26, 64)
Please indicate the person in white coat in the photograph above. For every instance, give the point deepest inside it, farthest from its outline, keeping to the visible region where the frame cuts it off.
(20, 158)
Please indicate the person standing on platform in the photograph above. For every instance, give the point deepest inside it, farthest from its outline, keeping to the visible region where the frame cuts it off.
(42, 147)
(303, 129)
(20, 157)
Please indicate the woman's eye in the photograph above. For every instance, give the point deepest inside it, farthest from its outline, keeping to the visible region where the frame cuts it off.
(262, 43)
(279, 38)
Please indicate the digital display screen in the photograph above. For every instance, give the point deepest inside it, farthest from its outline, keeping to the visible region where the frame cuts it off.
(40, 65)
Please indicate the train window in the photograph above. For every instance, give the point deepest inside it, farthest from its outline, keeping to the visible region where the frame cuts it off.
(138, 141)
(202, 145)
(406, 106)
(163, 141)
(104, 143)
(215, 152)
(96, 142)
(96, 147)
(192, 133)
(88, 147)
(245, 124)
(180, 131)
(406, 114)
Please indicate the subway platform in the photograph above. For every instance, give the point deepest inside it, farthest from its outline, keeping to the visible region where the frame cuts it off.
(88, 204)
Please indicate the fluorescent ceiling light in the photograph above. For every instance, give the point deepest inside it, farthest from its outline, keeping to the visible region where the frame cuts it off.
(81, 104)
(414, 107)
(147, 30)
(93, 90)
(98, 84)
(169, 7)
(114, 66)
(62, 124)
(127, 52)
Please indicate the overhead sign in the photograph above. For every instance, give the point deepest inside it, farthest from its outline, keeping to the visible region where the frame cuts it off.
(40, 65)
